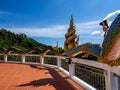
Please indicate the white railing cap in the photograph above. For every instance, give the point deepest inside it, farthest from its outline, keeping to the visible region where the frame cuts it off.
(92, 63)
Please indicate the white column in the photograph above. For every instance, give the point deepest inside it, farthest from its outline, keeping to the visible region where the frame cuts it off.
(23, 58)
(58, 62)
(5, 58)
(111, 81)
(108, 80)
(114, 82)
(71, 69)
(41, 60)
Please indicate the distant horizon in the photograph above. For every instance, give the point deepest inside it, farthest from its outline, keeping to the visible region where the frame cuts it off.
(47, 21)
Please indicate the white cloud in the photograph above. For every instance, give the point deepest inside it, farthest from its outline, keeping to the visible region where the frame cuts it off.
(85, 28)
(88, 27)
(95, 32)
(53, 31)
(58, 30)
(102, 34)
(111, 16)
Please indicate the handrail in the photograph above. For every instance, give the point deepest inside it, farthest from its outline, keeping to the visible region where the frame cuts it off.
(92, 64)
(112, 74)
(114, 69)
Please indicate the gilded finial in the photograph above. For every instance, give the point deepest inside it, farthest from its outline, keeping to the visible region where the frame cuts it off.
(70, 36)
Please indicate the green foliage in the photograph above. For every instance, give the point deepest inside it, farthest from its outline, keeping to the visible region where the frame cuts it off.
(9, 39)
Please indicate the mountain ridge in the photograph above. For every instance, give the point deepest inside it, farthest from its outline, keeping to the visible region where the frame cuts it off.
(9, 39)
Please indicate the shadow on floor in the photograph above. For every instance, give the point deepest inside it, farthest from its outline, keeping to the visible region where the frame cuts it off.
(58, 82)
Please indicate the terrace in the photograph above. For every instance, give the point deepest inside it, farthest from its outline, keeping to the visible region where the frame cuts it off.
(28, 72)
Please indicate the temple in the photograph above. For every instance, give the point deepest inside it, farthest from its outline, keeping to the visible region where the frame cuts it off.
(109, 52)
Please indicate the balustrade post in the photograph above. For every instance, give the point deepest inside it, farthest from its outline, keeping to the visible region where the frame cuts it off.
(115, 82)
(41, 60)
(71, 69)
(23, 58)
(58, 62)
(110, 81)
(118, 82)
(5, 58)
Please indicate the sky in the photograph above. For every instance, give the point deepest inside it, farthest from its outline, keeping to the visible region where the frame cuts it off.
(47, 21)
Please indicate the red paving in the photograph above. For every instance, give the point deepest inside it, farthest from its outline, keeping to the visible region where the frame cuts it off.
(34, 77)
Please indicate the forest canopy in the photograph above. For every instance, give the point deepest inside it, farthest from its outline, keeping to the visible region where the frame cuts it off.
(9, 39)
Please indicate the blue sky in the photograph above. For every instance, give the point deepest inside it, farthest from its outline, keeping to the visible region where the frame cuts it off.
(48, 20)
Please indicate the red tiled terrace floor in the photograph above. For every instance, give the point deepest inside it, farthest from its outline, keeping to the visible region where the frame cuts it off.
(34, 77)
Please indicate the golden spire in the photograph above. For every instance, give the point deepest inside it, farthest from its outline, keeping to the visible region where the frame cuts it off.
(70, 36)
(71, 22)
(71, 25)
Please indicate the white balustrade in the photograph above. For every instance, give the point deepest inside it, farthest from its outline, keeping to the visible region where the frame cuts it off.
(41, 60)
(111, 74)
(71, 69)
(58, 62)
(23, 58)
(5, 58)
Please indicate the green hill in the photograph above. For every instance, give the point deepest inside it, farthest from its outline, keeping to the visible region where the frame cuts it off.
(9, 39)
